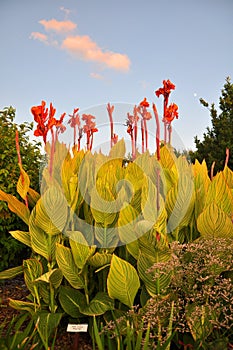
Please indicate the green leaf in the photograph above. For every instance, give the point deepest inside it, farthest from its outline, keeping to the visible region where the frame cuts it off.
(67, 265)
(23, 237)
(100, 259)
(96, 335)
(123, 281)
(23, 305)
(71, 300)
(32, 270)
(11, 273)
(153, 207)
(98, 305)
(199, 320)
(54, 277)
(46, 323)
(133, 249)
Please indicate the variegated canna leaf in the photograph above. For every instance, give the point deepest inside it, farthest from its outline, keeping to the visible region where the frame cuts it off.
(52, 211)
(80, 249)
(23, 183)
(23, 237)
(213, 222)
(67, 265)
(180, 202)
(123, 281)
(220, 193)
(16, 206)
(11, 273)
(41, 242)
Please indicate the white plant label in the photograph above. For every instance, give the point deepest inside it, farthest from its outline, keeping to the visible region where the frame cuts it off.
(77, 327)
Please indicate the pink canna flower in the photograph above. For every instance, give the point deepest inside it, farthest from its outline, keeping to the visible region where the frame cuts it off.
(114, 137)
(89, 129)
(142, 109)
(74, 122)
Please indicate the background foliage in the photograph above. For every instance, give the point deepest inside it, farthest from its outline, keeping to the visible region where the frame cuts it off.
(12, 251)
(220, 135)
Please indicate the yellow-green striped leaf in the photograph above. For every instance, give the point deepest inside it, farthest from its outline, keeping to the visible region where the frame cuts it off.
(33, 197)
(100, 259)
(54, 277)
(98, 305)
(123, 281)
(71, 301)
(153, 285)
(52, 211)
(11, 273)
(67, 265)
(80, 248)
(16, 206)
(32, 270)
(219, 192)
(180, 202)
(214, 223)
(106, 236)
(23, 237)
(42, 243)
(127, 220)
(23, 305)
(23, 183)
(118, 150)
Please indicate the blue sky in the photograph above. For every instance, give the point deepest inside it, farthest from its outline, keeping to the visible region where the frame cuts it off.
(87, 53)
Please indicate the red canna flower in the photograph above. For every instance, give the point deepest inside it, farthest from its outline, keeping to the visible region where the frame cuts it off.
(166, 90)
(114, 139)
(40, 113)
(144, 103)
(45, 120)
(171, 113)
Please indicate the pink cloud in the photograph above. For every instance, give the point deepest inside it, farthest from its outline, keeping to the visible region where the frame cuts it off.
(39, 36)
(83, 47)
(58, 26)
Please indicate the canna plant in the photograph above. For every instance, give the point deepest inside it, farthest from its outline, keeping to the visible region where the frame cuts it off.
(100, 223)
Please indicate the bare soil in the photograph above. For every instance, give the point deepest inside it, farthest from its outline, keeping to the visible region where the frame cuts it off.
(16, 289)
